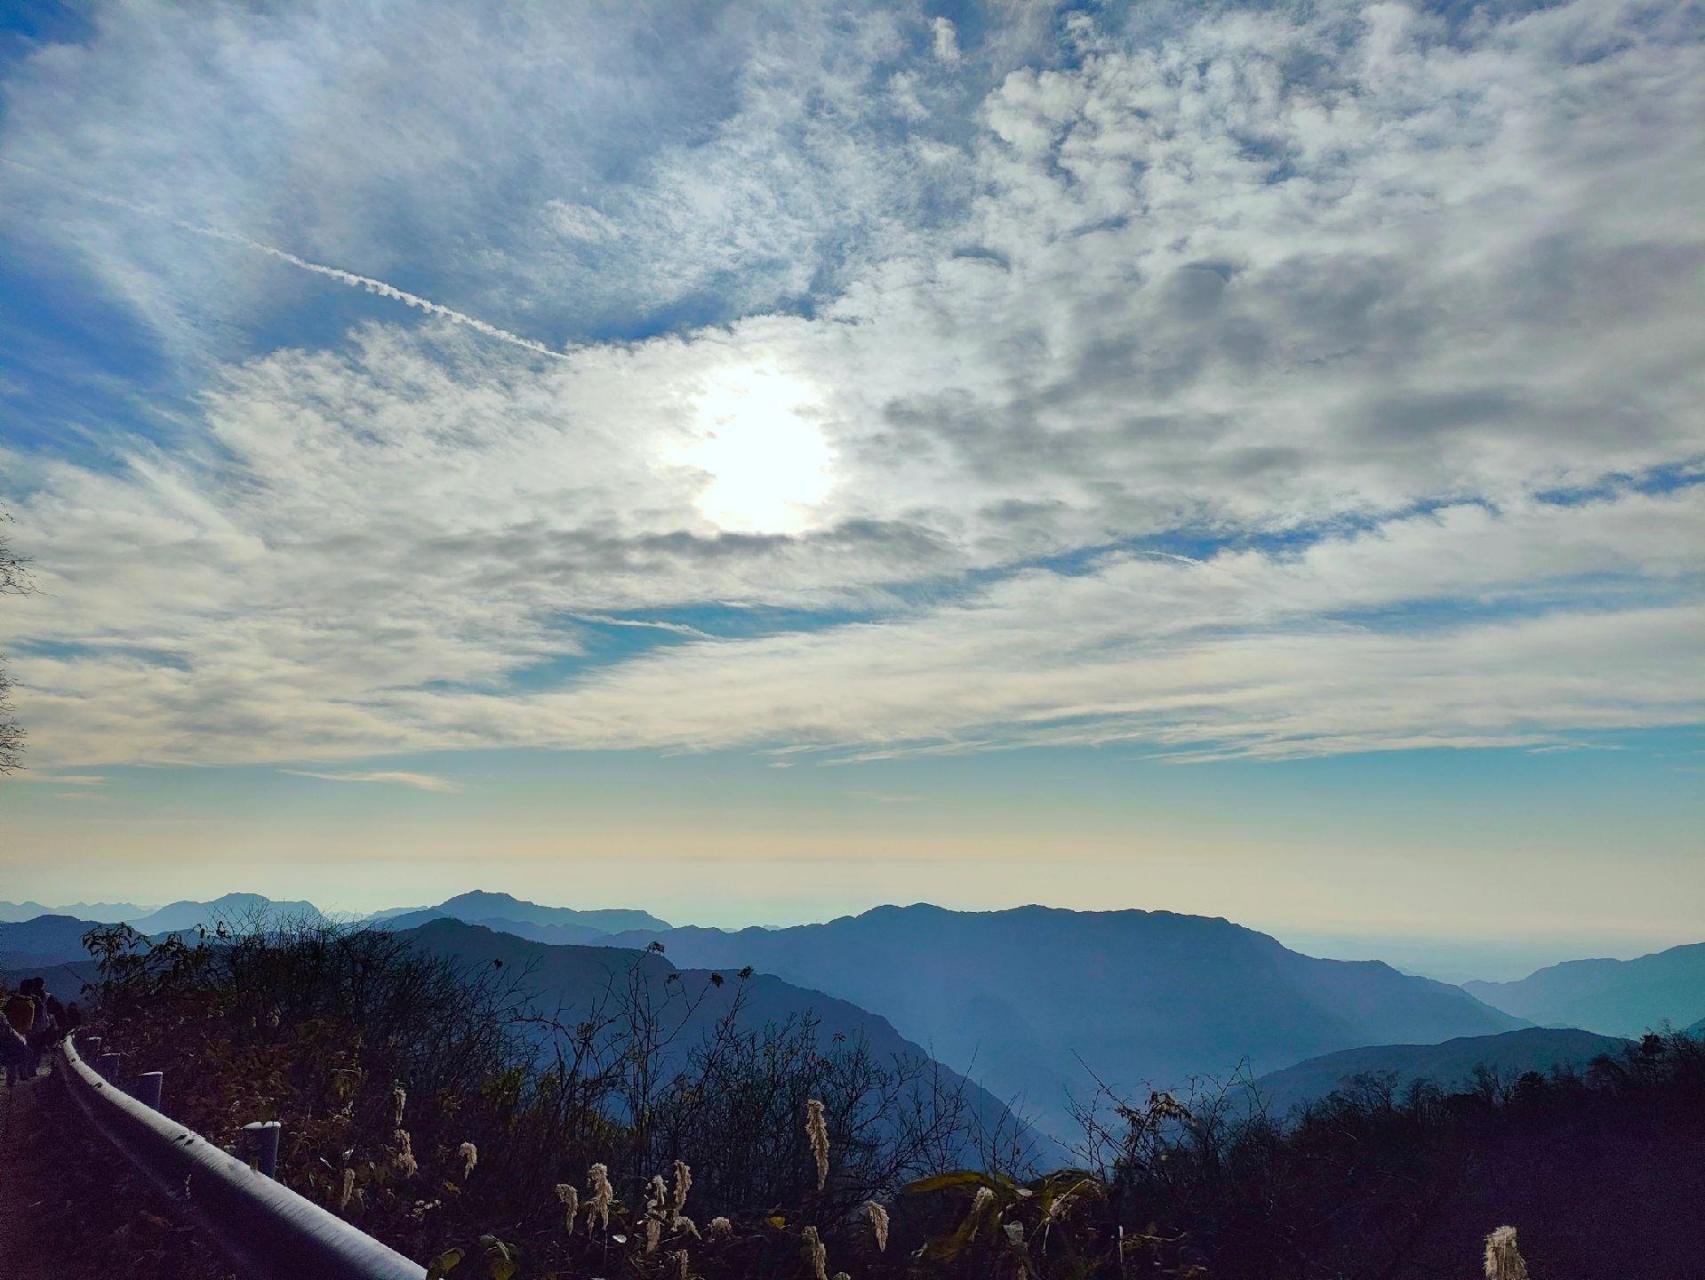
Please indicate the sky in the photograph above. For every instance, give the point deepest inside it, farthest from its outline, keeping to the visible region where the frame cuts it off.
(757, 461)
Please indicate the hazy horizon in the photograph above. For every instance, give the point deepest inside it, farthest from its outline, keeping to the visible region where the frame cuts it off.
(754, 462)
(1448, 958)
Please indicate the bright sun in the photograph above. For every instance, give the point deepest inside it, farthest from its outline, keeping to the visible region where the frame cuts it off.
(760, 443)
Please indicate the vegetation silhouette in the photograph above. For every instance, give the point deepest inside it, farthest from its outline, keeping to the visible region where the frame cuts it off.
(436, 1107)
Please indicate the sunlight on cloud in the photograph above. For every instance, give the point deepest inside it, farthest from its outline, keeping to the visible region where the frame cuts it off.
(766, 456)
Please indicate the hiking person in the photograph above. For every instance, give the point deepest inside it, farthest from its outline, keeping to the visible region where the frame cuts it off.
(20, 1010)
(14, 1053)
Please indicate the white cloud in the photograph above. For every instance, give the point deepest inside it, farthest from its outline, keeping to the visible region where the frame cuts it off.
(1254, 277)
(946, 40)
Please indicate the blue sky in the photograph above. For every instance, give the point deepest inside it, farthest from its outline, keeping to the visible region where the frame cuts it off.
(756, 461)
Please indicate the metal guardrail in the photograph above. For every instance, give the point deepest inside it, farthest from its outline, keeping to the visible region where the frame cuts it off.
(265, 1229)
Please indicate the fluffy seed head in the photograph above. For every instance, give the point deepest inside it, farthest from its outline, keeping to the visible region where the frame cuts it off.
(816, 1254)
(1503, 1259)
(602, 1197)
(817, 1130)
(402, 1159)
(570, 1198)
(878, 1224)
(683, 1184)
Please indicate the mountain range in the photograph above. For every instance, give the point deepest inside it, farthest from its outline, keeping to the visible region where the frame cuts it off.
(1037, 1002)
(1613, 997)
(1450, 1065)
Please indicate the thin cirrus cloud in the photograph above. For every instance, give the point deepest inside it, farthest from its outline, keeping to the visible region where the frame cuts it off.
(1220, 382)
(393, 777)
(367, 283)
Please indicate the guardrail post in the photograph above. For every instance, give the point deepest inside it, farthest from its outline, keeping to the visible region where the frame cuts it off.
(107, 1065)
(263, 1140)
(147, 1089)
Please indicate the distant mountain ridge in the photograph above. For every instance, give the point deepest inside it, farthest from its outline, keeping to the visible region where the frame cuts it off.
(1449, 1065)
(99, 912)
(233, 909)
(526, 919)
(54, 937)
(1613, 997)
(550, 924)
(1017, 997)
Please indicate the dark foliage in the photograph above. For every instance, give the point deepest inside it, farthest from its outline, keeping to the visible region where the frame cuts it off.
(1602, 1171)
(1599, 1170)
(321, 1027)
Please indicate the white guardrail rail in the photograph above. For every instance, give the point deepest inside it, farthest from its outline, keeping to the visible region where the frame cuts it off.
(265, 1229)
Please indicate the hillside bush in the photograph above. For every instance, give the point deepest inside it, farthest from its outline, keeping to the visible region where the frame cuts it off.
(440, 1109)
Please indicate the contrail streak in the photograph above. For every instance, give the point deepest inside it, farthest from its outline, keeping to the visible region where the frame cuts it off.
(350, 278)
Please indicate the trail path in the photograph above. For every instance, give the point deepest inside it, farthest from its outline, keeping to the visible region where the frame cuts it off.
(68, 1208)
(29, 1198)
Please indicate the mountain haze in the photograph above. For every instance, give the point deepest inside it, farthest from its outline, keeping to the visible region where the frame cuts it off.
(1613, 997)
(101, 912)
(1143, 997)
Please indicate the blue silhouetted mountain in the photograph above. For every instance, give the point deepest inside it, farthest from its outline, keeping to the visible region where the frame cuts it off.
(1614, 997)
(1450, 1065)
(47, 935)
(571, 982)
(525, 919)
(234, 910)
(102, 912)
(1019, 997)
(45, 947)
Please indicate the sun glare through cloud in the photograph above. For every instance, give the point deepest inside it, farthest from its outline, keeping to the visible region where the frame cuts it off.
(767, 461)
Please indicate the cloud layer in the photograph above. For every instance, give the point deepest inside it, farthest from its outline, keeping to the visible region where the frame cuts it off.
(1226, 382)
